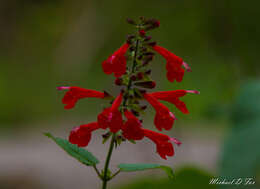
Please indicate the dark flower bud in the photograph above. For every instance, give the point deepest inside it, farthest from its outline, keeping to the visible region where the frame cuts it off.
(105, 136)
(142, 18)
(135, 113)
(131, 96)
(147, 38)
(156, 23)
(133, 77)
(142, 33)
(143, 107)
(152, 43)
(149, 53)
(140, 75)
(142, 91)
(130, 21)
(118, 81)
(152, 24)
(143, 49)
(146, 84)
(148, 72)
(128, 41)
(145, 62)
(130, 37)
(149, 58)
(140, 57)
(132, 48)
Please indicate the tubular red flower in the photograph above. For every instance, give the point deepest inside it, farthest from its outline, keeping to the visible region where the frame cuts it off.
(75, 93)
(81, 135)
(132, 129)
(173, 97)
(174, 64)
(116, 63)
(111, 117)
(163, 146)
(164, 119)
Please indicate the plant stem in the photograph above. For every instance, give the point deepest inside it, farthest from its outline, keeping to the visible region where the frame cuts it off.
(116, 173)
(132, 71)
(111, 147)
(98, 173)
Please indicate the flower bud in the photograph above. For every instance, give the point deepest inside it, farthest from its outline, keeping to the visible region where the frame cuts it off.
(148, 53)
(146, 84)
(145, 62)
(140, 57)
(148, 72)
(135, 113)
(143, 107)
(142, 33)
(133, 77)
(132, 48)
(149, 58)
(140, 75)
(152, 43)
(147, 38)
(107, 135)
(118, 81)
(130, 21)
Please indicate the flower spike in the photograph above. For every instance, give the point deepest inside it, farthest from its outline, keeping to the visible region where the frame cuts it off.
(116, 63)
(75, 93)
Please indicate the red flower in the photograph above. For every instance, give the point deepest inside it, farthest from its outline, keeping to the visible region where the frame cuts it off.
(116, 63)
(132, 129)
(163, 145)
(111, 117)
(173, 97)
(174, 64)
(75, 93)
(81, 135)
(163, 118)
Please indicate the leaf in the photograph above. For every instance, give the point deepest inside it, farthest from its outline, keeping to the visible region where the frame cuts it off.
(80, 154)
(141, 167)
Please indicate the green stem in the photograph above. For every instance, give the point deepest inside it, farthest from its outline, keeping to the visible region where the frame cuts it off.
(132, 71)
(111, 147)
(98, 173)
(116, 173)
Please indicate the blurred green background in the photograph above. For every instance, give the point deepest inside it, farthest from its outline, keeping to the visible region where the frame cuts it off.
(49, 43)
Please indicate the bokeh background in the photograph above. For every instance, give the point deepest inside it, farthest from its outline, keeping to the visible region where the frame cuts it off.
(48, 43)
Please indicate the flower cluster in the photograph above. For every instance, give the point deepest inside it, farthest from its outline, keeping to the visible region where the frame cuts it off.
(121, 118)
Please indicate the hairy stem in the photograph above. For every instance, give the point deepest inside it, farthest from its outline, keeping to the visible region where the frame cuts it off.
(111, 147)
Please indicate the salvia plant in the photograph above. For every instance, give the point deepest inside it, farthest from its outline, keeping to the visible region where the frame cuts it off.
(121, 118)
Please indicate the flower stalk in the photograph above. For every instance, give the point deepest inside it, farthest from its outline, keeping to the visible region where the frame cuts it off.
(109, 154)
(121, 117)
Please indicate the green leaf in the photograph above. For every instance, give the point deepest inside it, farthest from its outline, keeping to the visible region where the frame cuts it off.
(140, 167)
(80, 154)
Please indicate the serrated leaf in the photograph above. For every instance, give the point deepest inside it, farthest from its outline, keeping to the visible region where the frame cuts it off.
(141, 167)
(80, 154)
